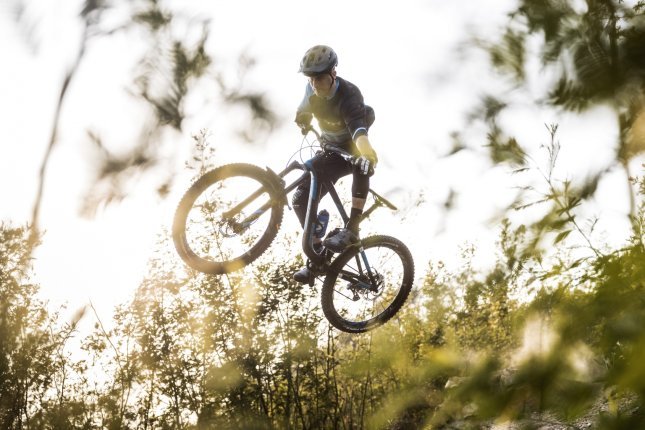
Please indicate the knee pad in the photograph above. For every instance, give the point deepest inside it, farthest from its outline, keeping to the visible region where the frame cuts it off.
(360, 186)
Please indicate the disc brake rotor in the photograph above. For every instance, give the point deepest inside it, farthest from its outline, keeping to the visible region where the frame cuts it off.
(362, 288)
(230, 227)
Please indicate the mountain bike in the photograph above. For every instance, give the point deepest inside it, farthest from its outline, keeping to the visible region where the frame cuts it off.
(231, 214)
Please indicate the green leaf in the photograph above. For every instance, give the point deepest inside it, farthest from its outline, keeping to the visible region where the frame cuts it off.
(561, 236)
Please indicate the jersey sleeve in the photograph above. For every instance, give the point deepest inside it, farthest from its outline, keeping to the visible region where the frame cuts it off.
(303, 113)
(353, 112)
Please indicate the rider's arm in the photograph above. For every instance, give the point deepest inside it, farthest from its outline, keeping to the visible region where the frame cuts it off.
(353, 111)
(365, 148)
(303, 114)
(303, 119)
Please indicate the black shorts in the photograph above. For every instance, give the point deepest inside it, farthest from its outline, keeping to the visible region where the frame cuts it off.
(329, 166)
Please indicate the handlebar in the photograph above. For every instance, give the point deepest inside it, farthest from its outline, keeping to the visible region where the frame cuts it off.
(329, 147)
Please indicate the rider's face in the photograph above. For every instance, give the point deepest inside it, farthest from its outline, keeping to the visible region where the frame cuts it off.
(321, 84)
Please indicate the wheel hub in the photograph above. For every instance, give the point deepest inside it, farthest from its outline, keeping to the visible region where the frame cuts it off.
(365, 289)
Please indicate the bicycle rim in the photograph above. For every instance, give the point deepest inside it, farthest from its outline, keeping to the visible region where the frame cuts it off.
(367, 286)
(212, 240)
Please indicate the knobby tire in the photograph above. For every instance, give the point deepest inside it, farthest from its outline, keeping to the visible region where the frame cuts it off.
(329, 285)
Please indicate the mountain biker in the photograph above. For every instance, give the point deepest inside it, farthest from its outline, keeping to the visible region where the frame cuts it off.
(344, 120)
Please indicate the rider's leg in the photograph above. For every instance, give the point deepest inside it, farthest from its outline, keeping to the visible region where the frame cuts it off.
(328, 167)
(360, 188)
(349, 235)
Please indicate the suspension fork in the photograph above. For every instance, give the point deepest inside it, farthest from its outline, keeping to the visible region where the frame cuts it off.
(361, 256)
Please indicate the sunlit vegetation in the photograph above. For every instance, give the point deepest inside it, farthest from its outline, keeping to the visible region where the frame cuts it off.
(524, 342)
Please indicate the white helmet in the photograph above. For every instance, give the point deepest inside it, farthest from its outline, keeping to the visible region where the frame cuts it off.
(318, 60)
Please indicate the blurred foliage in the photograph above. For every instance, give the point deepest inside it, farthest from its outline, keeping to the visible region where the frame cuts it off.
(559, 199)
(594, 54)
(173, 63)
(596, 47)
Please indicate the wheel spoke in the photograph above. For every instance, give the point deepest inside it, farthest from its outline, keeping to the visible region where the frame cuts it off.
(341, 293)
(206, 225)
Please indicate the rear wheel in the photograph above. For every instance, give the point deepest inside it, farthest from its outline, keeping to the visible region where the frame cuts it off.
(367, 286)
(228, 218)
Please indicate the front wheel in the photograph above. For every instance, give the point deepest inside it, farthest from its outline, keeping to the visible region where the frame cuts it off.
(366, 286)
(228, 218)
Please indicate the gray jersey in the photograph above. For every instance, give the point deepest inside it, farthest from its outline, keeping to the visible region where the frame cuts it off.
(342, 116)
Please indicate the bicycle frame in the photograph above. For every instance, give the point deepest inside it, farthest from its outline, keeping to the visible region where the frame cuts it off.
(315, 189)
(231, 214)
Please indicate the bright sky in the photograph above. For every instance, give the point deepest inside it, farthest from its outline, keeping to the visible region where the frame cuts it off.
(404, 58)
